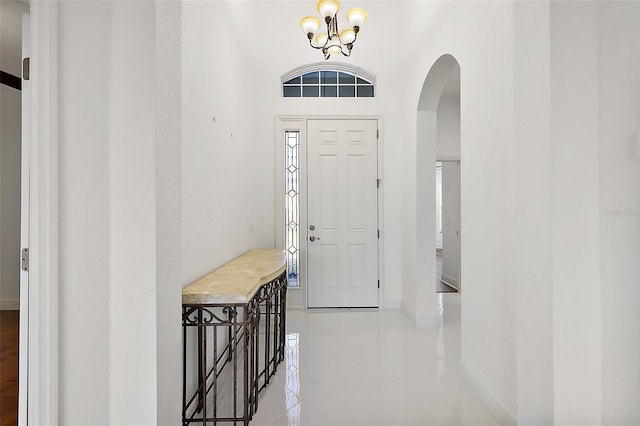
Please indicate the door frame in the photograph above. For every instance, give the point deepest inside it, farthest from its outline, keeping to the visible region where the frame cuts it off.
(39, 395)
(297, 296)
(25, 145)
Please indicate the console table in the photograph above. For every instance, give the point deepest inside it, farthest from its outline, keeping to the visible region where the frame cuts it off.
(233, 323)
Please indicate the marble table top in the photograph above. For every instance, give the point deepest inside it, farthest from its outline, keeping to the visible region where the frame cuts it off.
(238, 280)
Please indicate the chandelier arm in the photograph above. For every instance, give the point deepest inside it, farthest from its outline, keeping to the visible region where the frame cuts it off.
(315, 47)
(328, 35)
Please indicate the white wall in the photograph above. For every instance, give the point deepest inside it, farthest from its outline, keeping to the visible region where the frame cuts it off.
(221, 186)
(448, 131)
(619, 214)
(10, 146)
(84, 291)
(528, 264)
(169, 208)
(132, 204)
(107, 204)
(577, 316)
(578, 334)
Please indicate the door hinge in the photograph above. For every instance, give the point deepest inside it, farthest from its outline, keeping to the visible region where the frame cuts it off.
(378, 181)
(25, 259)
(26, 68)
(377, 133)
(378, 233)
(378, 283)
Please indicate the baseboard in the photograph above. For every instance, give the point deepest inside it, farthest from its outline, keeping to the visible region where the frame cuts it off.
(395, 305)
(501, 415)
(450, 281)
(9, 304)
(422, 320)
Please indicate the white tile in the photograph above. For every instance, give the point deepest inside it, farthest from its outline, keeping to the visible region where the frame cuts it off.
(370, 368)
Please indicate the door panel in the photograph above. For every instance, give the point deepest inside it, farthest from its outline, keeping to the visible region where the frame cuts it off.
(342, 213)
(357, 267)
(329, 267)
(329, 196)
(356, 169)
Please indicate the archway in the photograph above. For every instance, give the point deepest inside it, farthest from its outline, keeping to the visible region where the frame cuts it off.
(443, 77)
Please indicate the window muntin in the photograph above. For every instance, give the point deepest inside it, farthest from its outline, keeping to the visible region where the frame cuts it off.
(328, 84)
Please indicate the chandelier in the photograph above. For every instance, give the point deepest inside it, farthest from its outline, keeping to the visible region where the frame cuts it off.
(333, 42)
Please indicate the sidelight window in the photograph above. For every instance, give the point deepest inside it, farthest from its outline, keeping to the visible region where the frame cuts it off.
(292, 204)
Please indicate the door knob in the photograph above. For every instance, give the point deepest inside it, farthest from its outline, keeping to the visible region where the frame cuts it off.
(313, 238)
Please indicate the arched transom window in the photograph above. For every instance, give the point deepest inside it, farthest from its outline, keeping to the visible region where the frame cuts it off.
(328, 81)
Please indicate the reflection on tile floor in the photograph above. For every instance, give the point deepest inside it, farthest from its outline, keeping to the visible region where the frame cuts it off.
(370, 368)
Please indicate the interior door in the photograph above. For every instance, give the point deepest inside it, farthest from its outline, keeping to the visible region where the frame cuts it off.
(342, 213)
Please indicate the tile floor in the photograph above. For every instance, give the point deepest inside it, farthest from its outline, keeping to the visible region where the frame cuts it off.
(370, 368)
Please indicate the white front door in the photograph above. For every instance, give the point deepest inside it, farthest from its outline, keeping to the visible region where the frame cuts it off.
(342, 213)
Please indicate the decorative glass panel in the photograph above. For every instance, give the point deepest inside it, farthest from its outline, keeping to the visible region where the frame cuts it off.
(292, 204)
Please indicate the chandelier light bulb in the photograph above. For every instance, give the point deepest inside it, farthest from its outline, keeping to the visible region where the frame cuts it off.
(357, 17)
(348, 36)
(334, 47)
(321, 39)
(310, 25)
(328, 9)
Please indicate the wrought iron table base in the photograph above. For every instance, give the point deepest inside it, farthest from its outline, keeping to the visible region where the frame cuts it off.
(239, 347)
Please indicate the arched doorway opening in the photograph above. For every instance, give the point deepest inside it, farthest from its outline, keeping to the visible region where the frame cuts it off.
(438, 140)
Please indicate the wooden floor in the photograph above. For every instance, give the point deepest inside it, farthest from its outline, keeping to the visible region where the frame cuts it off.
(9, 332)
